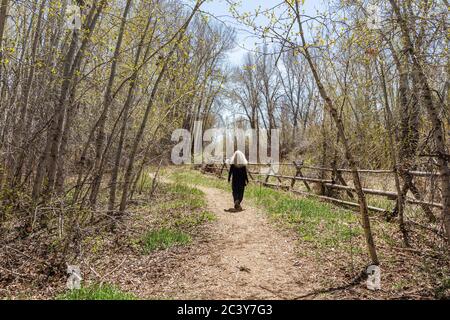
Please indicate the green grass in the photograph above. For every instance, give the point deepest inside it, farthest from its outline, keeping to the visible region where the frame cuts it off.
(183, 197)
(186, 207)
(315, 221)
(185, 190)
(379, 202)
(177, 210)
(196, 178)
(97, 292)
(164, 238)
(195, 220)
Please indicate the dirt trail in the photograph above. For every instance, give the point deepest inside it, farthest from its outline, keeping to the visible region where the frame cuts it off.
(243, 257)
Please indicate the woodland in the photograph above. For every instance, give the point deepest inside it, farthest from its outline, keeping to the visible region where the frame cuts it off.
(87, 114)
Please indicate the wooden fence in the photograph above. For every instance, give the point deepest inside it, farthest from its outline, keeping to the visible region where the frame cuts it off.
(337, 182)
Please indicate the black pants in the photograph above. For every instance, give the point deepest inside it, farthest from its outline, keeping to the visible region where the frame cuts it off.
(238, 193)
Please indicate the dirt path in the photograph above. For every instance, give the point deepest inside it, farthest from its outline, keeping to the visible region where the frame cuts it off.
(244, 257)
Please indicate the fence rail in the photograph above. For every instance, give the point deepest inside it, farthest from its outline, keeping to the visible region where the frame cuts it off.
(327, 184)
(374, 171)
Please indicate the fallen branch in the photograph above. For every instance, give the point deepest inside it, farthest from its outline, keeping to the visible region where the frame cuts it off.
(28, 256)
(276, 293)
(16, 273)
(357, 280)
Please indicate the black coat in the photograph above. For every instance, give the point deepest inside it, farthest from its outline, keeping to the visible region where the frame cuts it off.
(240, 180)
(239, 175)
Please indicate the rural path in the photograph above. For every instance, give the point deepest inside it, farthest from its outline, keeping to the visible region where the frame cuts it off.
(244, 256)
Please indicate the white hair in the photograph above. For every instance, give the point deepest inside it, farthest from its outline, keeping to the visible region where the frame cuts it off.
(238, 159)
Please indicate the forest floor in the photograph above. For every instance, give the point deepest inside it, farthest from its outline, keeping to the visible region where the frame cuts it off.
(183, 242)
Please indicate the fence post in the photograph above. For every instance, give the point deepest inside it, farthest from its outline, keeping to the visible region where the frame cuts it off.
(337, 175)
(221, 170)
(250, 175)
(268, 175)
(298, 173)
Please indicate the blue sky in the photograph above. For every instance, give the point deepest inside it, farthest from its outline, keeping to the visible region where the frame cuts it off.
(244, 39)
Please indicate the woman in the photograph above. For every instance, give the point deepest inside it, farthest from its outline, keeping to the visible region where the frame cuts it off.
(238, 170)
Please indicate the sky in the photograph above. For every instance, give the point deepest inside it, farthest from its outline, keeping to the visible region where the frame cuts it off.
(245, 41)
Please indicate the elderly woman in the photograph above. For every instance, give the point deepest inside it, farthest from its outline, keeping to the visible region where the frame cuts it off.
(238, 174)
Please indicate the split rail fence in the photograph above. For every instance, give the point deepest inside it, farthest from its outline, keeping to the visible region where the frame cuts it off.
(325, 186)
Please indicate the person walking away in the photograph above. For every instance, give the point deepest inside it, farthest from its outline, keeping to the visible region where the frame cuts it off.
(239, 177)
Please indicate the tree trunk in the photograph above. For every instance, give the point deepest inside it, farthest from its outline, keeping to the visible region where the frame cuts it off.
(392, 144)
(137, 140)
(71, 63)
(126, 108)
(340, 126)
(21, 133)
(3, 15)
(107, 101)
(426, 96)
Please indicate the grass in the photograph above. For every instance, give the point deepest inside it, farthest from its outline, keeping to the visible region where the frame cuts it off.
(195, 220)
(185, 209)
(379, 202)
(183, 197)
(163, 239)
(177, 210)
(97, 292)
(317, 222)
(196, 178)
(334, 238)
